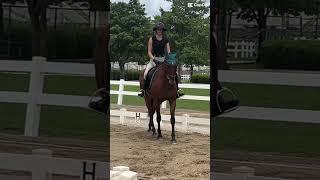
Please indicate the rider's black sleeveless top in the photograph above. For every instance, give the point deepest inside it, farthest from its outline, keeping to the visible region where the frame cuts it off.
(158, 47)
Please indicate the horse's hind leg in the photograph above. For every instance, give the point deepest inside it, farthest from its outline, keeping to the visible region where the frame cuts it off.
(158, 121)
(151, 125)
(173, 120)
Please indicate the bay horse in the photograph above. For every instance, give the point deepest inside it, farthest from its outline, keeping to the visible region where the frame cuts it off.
(163, 87)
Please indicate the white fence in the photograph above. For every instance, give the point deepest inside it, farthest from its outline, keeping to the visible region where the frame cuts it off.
(242, 49)
(34, 98)
(43, 165)
(120, 92)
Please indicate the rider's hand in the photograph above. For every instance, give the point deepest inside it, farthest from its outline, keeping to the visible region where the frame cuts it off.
(157, 62)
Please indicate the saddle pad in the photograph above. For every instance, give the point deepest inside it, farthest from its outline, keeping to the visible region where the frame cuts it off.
(150, 76)
(171, 59)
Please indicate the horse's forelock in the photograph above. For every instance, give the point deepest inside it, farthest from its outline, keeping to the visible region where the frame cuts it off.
(169, 67)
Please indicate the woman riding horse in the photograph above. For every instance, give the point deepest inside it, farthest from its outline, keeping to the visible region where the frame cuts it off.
(157, 46)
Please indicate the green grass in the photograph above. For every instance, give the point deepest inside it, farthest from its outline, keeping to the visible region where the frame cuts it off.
(12, 117)
(73, 85)
(14, 82)
(72, 123)
(297, 139)
(275, 96)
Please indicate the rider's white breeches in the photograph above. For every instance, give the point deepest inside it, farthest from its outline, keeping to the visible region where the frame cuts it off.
(150, 65)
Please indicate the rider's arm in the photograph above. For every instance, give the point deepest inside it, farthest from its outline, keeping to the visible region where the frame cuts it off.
(150, 49)
(168, 48)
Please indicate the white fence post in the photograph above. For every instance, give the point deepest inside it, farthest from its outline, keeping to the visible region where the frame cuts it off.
(35, 90)
(40, 170)
(123, 115)
(120, 95)
(242, 49)
(186, 122)
(164, 104)
(236, 44)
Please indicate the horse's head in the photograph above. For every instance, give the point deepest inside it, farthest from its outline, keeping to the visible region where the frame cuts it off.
(170, 71)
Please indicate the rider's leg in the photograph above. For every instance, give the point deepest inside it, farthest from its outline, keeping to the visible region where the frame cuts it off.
(150, 65)
(179, 92)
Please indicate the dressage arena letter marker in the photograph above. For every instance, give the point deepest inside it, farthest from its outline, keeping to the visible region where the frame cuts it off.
(85, 172)
(122, 115)
(138, 116)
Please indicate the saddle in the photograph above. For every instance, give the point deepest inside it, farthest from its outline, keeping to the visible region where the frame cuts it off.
(150, 76)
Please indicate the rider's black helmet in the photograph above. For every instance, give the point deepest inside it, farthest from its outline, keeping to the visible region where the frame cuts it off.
(159, 25)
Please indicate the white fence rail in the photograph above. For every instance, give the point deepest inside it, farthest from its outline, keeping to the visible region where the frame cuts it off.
(34, 98)
(43, 165)
(120, 92)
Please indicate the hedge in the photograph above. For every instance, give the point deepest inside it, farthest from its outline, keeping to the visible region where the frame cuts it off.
(291, 54)
(130, 75)
(200, 78)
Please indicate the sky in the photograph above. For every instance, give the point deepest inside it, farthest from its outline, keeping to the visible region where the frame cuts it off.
(152, 6)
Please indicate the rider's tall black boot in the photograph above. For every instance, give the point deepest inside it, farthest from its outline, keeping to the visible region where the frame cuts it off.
(179, 92)
(144, 90)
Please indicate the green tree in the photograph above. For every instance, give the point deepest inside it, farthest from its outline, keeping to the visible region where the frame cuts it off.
(129, 32)
(188, 31)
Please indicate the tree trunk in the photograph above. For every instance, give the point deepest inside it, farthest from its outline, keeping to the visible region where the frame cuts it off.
(223, 33)
(43, 30)
(179, 73)
(191, 70)
(37, 12)
(229, 27)
(122, 71)
(1, 18)
(100, 57)
(262, 27)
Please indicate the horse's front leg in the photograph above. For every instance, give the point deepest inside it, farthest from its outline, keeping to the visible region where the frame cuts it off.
(173, 120)
(158, 121)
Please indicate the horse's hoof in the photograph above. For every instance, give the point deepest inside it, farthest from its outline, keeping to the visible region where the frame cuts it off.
(149, 130)
(159, 137)
(173, 142)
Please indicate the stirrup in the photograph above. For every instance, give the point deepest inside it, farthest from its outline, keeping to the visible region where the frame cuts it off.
(179, 93)
(224, 106)
(142, 93)
(97, 104)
